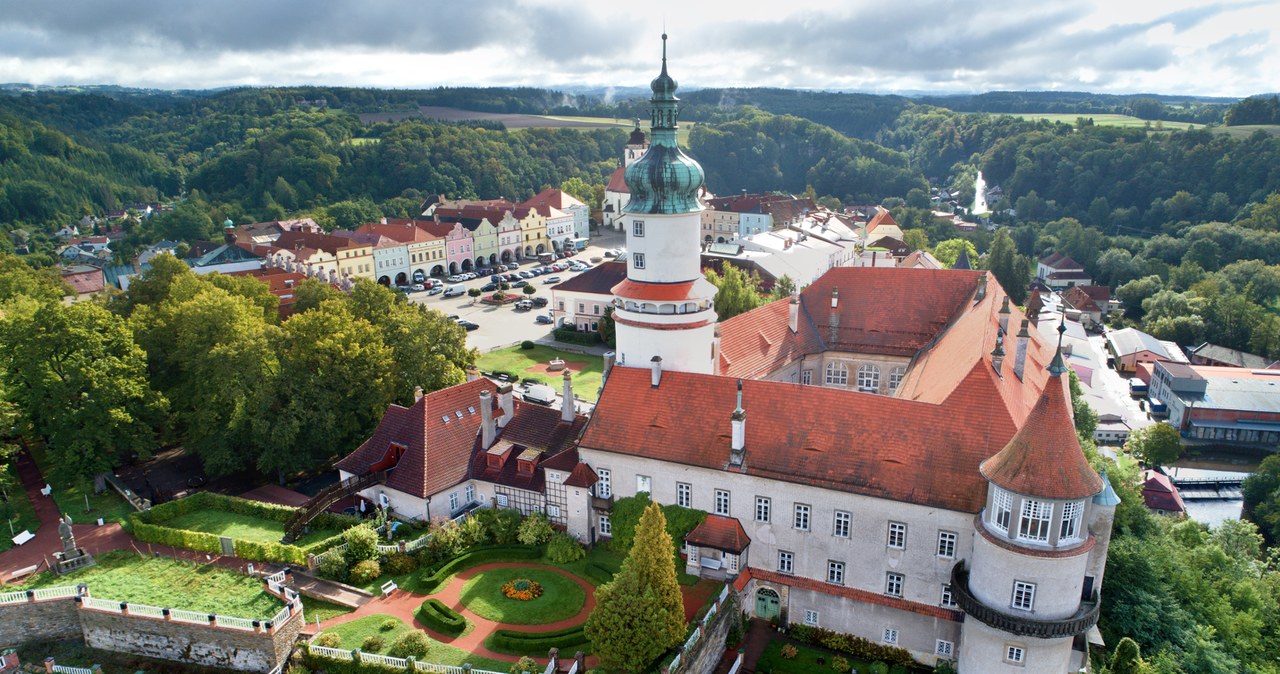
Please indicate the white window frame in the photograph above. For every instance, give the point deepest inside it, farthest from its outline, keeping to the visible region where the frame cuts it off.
(469, 493)
(764, 509)
(553, 511)
(1035, 520)
(604, 485)
(453, 501)
(836, 374)
(948, 599)
(644, 483)
(897, 536)
(800, 518)
(944, 648)
(1015, 654)
(637, 260)
(684, 494)
(811, 617)
(1023, 597)
(501, 500)
(786, 562)
(1001, 509)
(606, 527)
(890, 635)
(1069, 524)
(895, 378)
(868, 378)
(637, 228)
(842, 524)
(947, 544)
(722, 502)
(893, 583)
(806, 377)
(835, 572)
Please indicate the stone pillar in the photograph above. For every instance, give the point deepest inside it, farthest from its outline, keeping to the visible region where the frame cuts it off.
(48, 665)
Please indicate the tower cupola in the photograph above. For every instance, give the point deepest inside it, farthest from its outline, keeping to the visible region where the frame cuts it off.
(665, 180)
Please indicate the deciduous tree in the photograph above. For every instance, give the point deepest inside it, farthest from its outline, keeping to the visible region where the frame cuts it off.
(737, 292)
(1156, 445)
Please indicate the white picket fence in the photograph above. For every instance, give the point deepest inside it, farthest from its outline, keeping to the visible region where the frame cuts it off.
(675, 662)
(63, 669)
(737, 664)
(574, 668)
(41, 594)
(388, 661)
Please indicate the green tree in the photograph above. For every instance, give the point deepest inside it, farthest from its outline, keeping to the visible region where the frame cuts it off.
(1262, 497)
(1127, 658)
(639, 614)
(79, 382)
(916, 239)
(948, 251)
(1012, 270)
(529, 290)
(152, 287)
(311, 293)
(736, 292)
(17, 278)
(783, 287)
(1155, 445)
(1086, 419)
(608, 328)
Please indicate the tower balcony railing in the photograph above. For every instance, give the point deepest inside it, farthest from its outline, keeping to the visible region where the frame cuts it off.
(1079, 623)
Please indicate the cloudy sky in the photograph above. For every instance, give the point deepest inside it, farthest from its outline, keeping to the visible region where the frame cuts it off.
(1227, 48)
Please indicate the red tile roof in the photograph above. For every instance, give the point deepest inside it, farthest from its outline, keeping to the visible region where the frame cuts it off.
(801, 434)
(758, 342)
(1044, 458)
(1059, 261)
(1159, 493)
(403, 231)
(1079, 300)
(438, 451)
(721, 533)
(653, 292)
(553, 198)
(300, 241)
(617, 182)
(84, 279)
(882, 217)
(582, 476)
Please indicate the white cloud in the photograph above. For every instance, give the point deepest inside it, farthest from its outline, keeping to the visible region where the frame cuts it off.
(1173, 46)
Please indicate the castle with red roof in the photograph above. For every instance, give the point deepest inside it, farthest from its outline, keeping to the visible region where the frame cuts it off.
(889, 453)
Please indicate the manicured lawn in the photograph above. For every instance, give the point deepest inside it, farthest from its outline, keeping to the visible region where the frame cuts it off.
(108, 505)
(586, 379)
(354, 633)
(168, 583)
(561, 597)
(315, 608)
(600, 557)
(16, 510)
(243, 527)
(808, 660)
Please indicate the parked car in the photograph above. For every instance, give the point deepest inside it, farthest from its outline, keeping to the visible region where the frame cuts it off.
(419, 277)
(455, 290)
(550, 279)
(612, 252)
(525, 274)
(524, 305)
(453, 278)
(496, 278)
(469, 326)
(539, 301)
(488, 287)
(417, 287)
(436, 290)
(543, 319)
(520, 284)
(454, 317)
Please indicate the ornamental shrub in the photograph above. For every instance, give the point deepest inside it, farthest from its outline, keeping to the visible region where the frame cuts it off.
(365, 572)
(372, 643)
(523, 665)
(388, 625)
(526, 345)
(789, 652)
(840, 663)
(440, 617)
(333, 567)
(399, 563)
(500, 525)
(362, 543)
(535, 530)
(564, 549)
(413, 643)
(328, 639)
(879, 667)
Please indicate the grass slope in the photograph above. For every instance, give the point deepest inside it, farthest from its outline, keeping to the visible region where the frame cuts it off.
(354, 633)
(1105, 120)
(561, 597)
(586, 380)
(108, 505)
(168, 583)
(16, 509)
(243, 527)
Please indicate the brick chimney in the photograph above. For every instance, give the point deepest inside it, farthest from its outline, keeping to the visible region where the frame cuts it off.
(793, 313)
(833, 321)
(505, 404)
(1020, 358)
(567, 406)
(487, 429)
(655, 366)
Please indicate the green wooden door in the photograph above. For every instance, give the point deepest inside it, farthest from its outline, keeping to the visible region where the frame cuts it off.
(767, 604)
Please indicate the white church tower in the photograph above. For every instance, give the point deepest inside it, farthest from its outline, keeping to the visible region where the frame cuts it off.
(663, 310)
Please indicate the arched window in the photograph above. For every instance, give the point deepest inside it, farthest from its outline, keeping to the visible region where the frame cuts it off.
(1034, 523)
(895, 378)
(837, 374)
(868, 378)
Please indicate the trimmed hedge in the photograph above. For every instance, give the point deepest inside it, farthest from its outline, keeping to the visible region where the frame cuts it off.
(536, 643)
(150, 526)
(598, 574)
(858, 647)
(435, 614)
(439, 575)
(570, 335)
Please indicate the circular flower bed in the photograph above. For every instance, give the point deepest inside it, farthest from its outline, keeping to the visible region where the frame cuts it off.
(559, 596)
(522, 589)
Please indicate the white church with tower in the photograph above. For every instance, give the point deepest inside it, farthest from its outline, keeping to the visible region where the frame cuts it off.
(890, 453)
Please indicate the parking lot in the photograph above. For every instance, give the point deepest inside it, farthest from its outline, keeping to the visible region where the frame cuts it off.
(504, 325)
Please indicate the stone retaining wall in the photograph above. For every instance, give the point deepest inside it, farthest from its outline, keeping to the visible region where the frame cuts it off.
(57, 619)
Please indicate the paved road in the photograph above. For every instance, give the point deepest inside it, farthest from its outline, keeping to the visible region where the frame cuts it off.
(504, 326)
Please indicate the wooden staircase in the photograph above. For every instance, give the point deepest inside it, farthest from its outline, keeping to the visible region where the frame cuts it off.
(328, 496)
